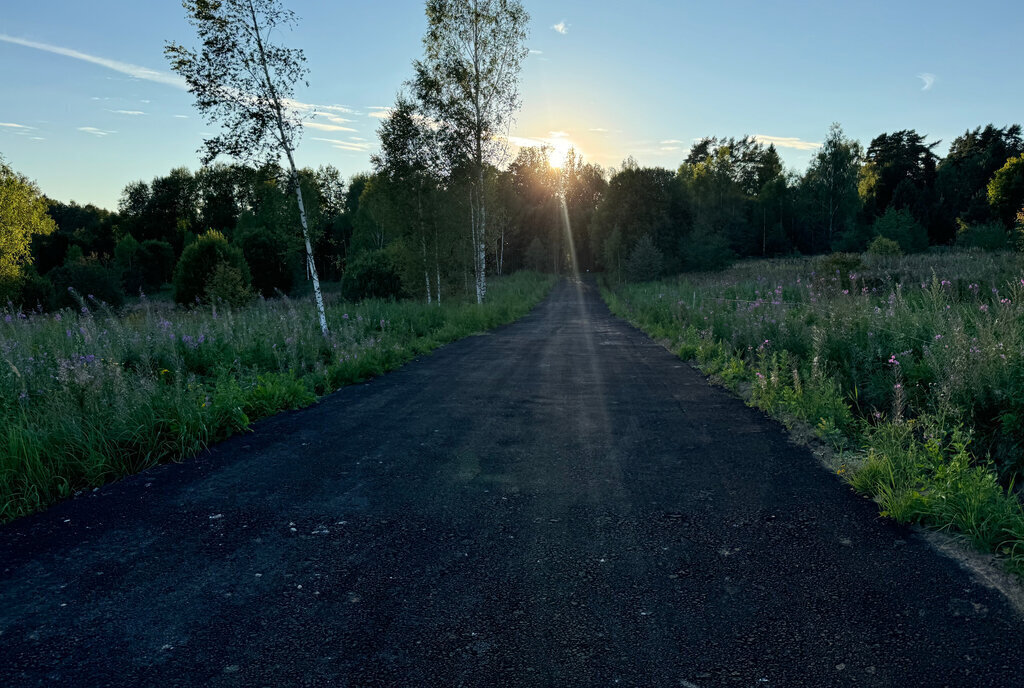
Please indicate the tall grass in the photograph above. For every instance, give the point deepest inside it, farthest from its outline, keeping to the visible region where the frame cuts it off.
(87, 396)
(915, 364)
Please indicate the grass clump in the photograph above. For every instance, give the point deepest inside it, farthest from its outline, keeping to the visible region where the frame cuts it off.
(88, 395)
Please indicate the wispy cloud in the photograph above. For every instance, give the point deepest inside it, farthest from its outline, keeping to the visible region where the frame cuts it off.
(598, 130)
(12, 125)
(133, 113)
(380, 112)
(561, 27)
(671, 142)
(132, 70)
(350, 146)
(927, 81)
(558, 134)
(322, 126)
(536, 52)
(786, 142)
(181, 117)
(96, 132)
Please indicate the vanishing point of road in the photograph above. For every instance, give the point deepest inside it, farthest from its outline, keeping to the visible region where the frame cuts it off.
(560, 502)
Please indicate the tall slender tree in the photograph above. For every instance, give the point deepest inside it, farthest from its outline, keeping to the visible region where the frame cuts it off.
(245, 83)
(467, 83)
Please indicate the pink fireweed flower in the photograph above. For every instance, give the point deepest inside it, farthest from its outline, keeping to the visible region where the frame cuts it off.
(983, 308)
(892, 360)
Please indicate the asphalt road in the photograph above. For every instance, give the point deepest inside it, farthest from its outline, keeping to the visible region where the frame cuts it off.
(558, 503)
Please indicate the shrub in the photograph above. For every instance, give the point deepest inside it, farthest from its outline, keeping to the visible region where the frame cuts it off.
(645, 261)
(227, 284)
(272, 264)
(36, 292)
(706, 252)
(372, 275)
(199, 262)
(87, 279)
(990, 236)
(900, 226)
(882, 246)
(156, 261)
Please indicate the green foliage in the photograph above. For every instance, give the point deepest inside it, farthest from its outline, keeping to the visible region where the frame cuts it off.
(884, 246)
(88, 397)
(227, 285)
(1006, 190)
(645, 261)
(990, 236)
(88, 280)
(22, 216)
(900, 226)
(373, 275)
(706, 252)
(199, 262)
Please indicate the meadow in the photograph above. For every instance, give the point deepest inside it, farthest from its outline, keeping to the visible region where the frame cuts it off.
(90, 394)
(911, 368)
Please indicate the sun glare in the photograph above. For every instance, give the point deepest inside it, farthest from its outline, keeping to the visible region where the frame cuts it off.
(559, 150)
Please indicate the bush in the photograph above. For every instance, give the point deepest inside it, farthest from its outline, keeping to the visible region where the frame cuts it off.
(36, 292)
(881, 246)
(372, 275)
(156, 261)
(199, 262)
(272, 263)
(227, 284)
(706, 252)
(87, 279)
(990, 236)
(645, 262)
(901, 227)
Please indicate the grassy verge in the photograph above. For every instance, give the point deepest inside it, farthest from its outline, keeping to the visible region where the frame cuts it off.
(89, 396)
(912, 369)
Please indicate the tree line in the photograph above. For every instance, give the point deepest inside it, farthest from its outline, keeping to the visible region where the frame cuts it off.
(399, 230)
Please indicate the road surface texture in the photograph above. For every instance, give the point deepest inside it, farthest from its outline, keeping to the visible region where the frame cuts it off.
(560, 502)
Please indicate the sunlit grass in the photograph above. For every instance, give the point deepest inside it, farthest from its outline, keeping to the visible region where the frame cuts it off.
(87, 396)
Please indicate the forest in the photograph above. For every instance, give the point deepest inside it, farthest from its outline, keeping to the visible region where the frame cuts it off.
(397, 231)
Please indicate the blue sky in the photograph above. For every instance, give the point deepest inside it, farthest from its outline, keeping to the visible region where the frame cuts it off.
(87, 103)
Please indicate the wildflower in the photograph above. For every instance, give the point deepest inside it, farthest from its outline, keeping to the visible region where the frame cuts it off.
(1005, 302)
(846, 292)
(897, 386)
(345, 316)
(938, 337)
(57, 317)
(7, 318)
(892, 360)
(983, 308)
(946, 283)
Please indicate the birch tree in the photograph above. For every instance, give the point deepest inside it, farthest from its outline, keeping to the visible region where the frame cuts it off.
(467, 82)
(245, 83)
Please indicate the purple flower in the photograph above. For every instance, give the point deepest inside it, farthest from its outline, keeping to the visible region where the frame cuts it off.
(7, 318)
(983, 308)
(345, 316)
(892, 360)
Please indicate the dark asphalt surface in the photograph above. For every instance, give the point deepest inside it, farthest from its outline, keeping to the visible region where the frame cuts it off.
(558, 503)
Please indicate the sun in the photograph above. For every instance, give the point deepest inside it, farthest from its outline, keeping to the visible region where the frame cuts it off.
(558, 152)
